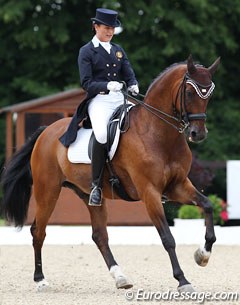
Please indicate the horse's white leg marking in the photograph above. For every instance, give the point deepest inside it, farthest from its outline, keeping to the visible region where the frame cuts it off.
(120, 279)
(42, 285)
(186, 288)
(202, 256)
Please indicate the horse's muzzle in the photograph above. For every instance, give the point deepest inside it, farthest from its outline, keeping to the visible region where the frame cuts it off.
(196, 133)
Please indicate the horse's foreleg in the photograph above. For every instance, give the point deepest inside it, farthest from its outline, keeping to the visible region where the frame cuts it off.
(100, 237)
(157, 215)
(202, 255)
(187, 193)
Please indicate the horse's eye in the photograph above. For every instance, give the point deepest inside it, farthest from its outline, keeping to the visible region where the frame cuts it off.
(189, 94)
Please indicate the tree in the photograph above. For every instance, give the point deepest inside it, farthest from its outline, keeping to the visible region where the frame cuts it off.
(40, 42)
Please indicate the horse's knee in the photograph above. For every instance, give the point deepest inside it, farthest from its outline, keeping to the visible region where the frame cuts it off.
(205, 204)
(208, 209)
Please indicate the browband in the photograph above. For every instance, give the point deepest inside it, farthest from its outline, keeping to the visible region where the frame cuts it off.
(205, 92)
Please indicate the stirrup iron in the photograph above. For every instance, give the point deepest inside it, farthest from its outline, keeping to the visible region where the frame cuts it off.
(94, 199)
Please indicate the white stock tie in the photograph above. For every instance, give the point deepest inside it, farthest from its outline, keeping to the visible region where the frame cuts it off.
(106, 46)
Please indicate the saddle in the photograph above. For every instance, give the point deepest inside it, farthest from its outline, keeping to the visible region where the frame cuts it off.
(117, 124)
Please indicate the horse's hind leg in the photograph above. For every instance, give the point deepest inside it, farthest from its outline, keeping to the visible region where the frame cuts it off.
(46, 198)
(100, 237)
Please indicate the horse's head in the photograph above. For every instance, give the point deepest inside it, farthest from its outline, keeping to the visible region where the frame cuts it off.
(196, 90)
(180, 95)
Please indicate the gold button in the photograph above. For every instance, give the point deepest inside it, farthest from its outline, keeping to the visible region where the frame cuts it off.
(107, 65)
(114, 65)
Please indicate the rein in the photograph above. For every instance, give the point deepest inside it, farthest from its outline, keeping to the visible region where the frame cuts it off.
(162, 115)
(183, 120)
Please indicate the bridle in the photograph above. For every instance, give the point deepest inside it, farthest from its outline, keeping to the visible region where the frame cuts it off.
(203, 91)
(183, 118)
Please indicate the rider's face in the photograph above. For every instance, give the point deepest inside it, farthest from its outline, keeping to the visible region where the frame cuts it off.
(103, 32)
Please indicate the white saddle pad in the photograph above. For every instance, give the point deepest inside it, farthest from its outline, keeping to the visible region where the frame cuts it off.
(78, 150)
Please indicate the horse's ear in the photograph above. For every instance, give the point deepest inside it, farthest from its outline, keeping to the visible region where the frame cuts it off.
(212, 69)
(190, 65)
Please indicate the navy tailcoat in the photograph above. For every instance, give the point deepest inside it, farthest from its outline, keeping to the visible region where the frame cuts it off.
(97, 67)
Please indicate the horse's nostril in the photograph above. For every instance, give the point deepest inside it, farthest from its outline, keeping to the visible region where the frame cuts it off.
(193, 134)
(196, 135)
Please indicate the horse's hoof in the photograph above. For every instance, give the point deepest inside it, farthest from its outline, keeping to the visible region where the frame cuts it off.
(186, 288)
(42, 285)
(120, 279)
(201, 257)
(123, 283)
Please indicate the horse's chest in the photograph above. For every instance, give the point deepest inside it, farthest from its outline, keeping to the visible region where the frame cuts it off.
(174, 171)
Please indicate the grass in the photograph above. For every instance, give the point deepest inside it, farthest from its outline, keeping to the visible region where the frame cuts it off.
(2, 222)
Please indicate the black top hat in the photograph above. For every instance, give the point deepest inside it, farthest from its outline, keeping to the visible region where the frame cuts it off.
(107, 17)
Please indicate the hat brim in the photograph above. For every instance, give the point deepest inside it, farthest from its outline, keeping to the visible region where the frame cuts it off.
(115, 25)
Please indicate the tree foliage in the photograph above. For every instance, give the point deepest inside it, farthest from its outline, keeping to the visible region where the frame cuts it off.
(40, 40)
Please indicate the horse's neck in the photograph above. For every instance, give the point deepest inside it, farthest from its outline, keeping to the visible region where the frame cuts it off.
(154, 124)
(161, 103)
(153, 119)
(163, 94)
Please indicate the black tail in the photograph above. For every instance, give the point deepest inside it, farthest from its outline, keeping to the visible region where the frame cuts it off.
(16, 181)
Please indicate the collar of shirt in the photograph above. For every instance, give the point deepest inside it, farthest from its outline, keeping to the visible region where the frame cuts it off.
(106, 45)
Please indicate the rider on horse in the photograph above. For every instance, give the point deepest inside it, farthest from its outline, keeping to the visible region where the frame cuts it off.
(102, 66)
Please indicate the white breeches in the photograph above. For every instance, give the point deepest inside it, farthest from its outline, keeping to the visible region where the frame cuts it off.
(100, 110)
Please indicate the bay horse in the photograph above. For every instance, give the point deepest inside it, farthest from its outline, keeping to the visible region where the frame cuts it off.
(153, 159)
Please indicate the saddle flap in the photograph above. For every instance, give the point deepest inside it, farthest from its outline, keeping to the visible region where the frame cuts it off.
(80, 150)
(117, 121)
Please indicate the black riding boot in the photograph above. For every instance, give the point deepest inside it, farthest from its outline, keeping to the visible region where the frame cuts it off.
(99, 156)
